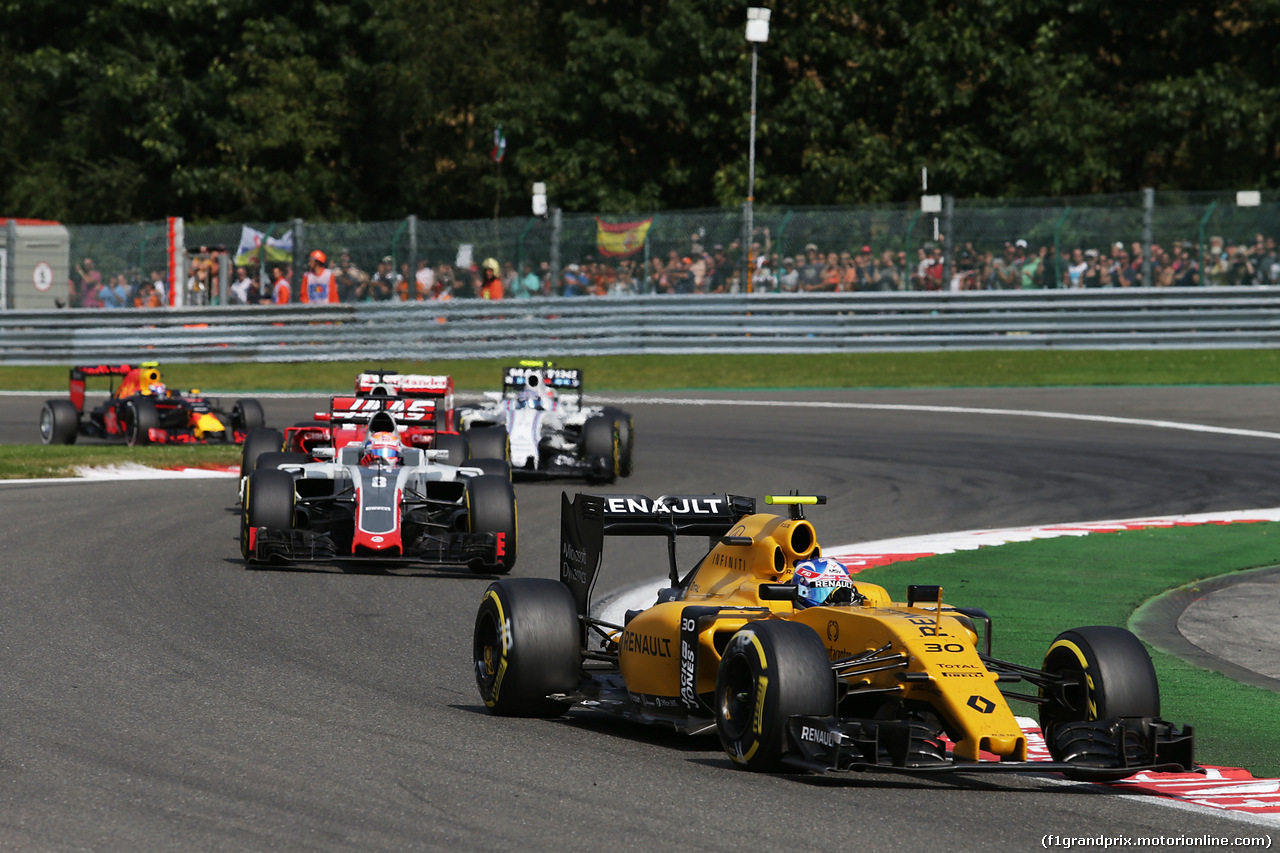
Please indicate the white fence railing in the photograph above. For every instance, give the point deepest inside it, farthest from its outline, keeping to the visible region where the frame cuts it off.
(1174, 318)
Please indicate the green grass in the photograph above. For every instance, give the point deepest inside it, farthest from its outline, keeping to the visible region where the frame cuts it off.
(21, 461)
(663, 372)
(1035, 590)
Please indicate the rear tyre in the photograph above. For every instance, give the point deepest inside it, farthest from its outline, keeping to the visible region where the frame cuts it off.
(256, 443)
(246, 415)
(491, 508)
(269, 501)
(525, 647)
(59, 422)
(600, 439)
(625, 425)
(490, 442)
(455, 444)
(140, 417)
(771, 671)
(1115, 679)
(273, 460)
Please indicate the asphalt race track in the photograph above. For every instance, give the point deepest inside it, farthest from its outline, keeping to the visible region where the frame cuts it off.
(159, 696)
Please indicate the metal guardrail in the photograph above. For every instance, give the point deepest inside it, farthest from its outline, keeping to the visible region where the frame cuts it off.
(1171, 318)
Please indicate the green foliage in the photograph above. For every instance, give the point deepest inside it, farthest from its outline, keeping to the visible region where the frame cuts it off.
(372, 109)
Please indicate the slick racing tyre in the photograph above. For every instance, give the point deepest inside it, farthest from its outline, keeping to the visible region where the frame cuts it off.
(59, 422)
(276, 458)
(771, 671)
(489, 442)
(600, 439)
(491, 508)
(269, 501)
(455, 444)
(246, 415)
(256, 443)
(1114, 678)
(140, 417)
(526, 647)
(498, 467)
(625, 425)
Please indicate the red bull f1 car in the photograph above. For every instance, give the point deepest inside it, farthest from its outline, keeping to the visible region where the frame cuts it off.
(379, 499)
(797, 666)
(143, 410)
(551, 433)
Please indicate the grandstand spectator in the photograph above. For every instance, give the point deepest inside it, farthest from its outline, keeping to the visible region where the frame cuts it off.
(789, 278)
(718, 271)
(281, 290)
(887, 275)
(1073, 275)
(85, 280)
(148, 297)
(573, 282)
(352, 282)
(199, 286)
(763, 279)
(1033, 269)
(383, 284)
(116, 293)
(238, 292)
(809, 266)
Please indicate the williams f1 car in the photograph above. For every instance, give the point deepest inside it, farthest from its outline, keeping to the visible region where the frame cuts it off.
(551, 433)
(380, 500)
(797, 672)
(142, 410)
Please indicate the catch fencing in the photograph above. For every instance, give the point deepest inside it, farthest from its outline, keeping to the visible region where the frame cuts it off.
(1167, 219)
(1172, 318)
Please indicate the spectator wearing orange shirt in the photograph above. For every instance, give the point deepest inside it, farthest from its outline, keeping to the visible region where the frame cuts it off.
(490, 284)
(318, 286)
(281, 291)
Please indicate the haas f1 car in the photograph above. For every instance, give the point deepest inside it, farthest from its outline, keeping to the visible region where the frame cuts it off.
(551, 433)
(142, 410)
(379, 499)
(797, 666)
(421, 405)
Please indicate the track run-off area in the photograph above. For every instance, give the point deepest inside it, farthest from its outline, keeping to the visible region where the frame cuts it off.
(161, 695)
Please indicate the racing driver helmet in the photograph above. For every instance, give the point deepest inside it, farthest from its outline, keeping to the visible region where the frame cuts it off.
(823, 581)
(529, 398)
(381, 448)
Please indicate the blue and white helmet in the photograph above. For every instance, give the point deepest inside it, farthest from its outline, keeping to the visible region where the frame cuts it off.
(822, 581)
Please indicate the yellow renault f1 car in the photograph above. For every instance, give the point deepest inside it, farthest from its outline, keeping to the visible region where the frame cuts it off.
(865, 684)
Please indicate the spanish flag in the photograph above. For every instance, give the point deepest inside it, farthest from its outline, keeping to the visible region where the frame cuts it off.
(622, 239)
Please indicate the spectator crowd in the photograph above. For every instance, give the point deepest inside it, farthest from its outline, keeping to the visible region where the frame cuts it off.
(694, 269)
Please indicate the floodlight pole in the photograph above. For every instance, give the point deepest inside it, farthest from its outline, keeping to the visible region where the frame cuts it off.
(751, 175)
(757, 33)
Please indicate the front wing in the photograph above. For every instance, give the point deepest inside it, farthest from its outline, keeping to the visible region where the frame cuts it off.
(474, 551)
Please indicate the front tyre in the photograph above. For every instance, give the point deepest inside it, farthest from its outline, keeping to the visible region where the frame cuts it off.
(59, 422)
(625, 425)
(526, 647)
(770, 672)
(1112, 677)
(140, 417)
(491, 508)
(269, 501)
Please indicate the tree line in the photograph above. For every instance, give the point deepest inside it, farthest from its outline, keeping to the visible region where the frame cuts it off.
(234, 110)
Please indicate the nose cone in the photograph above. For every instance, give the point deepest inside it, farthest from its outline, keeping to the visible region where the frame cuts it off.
(208, 425)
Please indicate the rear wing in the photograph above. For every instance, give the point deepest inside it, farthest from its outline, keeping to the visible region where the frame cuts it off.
(389, 383)
(586, 520)
(535, 374)
(407, 411)
(80, 373)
